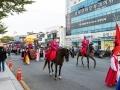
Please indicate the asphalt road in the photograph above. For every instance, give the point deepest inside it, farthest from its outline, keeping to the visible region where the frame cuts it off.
(73, 77)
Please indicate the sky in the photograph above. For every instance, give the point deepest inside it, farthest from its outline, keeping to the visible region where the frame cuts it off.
(39, 16)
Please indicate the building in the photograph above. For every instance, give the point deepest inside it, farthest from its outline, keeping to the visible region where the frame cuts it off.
(57, 32)
(95, 19)
(41, 38)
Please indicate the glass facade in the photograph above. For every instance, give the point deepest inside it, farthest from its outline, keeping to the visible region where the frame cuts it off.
(92, 16)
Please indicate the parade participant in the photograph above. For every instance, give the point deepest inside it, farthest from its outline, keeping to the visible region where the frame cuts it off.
(85, 44)
(30, 46)
(22, 54)
(113, 72)
(111, 78)
(52, 50)
(26, 56)
(118, 85)
(118, 75)
(37, 55)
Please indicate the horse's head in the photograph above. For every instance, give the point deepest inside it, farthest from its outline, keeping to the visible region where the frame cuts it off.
(65, 53)
(90, 49)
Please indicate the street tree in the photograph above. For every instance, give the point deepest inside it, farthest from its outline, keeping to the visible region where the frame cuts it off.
(6, 39)
(10, 7)
(2, 28)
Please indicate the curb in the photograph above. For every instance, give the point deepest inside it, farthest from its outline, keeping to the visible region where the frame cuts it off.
(22, 82)
(24, 85)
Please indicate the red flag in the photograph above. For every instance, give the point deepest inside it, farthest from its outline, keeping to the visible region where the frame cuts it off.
(117, 36)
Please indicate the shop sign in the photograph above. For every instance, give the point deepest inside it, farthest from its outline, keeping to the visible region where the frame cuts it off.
(95, 21)
(93, 7)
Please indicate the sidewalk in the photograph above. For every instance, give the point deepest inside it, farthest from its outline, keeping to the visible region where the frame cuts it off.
(8, 81)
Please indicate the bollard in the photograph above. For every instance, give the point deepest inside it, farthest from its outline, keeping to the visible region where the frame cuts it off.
(10, 64)
(19, 74)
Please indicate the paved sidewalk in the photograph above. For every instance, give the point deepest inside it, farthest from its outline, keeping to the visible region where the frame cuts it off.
(8, 81)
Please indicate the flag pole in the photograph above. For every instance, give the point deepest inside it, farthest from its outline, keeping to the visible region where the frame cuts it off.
(115, 19)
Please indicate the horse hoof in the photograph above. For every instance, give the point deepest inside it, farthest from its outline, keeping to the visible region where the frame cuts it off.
(55, 78)
(50, 74)
(76, 64)
(60, 77)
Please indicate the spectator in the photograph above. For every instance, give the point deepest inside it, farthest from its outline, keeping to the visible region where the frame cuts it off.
(9, 51)
(3, 56)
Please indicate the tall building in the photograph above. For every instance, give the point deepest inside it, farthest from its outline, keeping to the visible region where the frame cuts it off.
(95, 19)
(57, 32)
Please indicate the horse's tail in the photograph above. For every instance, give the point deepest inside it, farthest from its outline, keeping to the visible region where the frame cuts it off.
(45, 64)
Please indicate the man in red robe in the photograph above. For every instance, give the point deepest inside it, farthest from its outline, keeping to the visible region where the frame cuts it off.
(113, 72)
(85, 44)
(52, 50)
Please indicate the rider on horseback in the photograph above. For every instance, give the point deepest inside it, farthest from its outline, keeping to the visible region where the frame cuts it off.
(85, 44)
(52, 50)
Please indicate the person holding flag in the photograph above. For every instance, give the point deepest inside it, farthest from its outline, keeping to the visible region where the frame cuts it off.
(113, 72)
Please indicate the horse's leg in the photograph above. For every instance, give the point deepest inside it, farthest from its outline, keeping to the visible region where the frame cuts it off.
(52, 67)
(45, 64)
(94, 61)
(87, 61)
(60, 66)
(77, 58)
(49, 68)
(82, 60)
(56, 71)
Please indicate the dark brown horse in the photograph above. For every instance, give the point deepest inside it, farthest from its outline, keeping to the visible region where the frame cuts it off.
(61, 54)
(89, 54)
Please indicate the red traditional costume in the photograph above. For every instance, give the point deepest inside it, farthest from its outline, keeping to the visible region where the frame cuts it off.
(111, 77)
(85, 44)
(52, 50)
(113, 72)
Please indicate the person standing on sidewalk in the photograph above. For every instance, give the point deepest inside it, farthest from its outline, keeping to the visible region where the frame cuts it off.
(3, 56)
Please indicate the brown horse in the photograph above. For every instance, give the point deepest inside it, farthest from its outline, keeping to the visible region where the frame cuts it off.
(61, 54)
(88, 55)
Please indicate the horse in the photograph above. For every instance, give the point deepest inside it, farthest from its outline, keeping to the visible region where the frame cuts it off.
(58, 61)
(89, 54)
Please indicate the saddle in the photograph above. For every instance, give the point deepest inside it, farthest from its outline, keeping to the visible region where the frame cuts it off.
(83, 51)
(50, 55)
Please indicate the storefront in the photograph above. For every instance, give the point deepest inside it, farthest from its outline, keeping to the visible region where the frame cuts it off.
(95, 19)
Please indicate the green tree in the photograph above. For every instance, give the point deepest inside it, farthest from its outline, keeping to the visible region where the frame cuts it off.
(6, 39)
(2, 28)
(8, 7)
(12, 6)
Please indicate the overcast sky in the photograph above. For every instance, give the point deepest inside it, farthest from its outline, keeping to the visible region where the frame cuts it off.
(38, 17)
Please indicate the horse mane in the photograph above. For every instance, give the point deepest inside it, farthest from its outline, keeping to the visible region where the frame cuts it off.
(61, 53)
